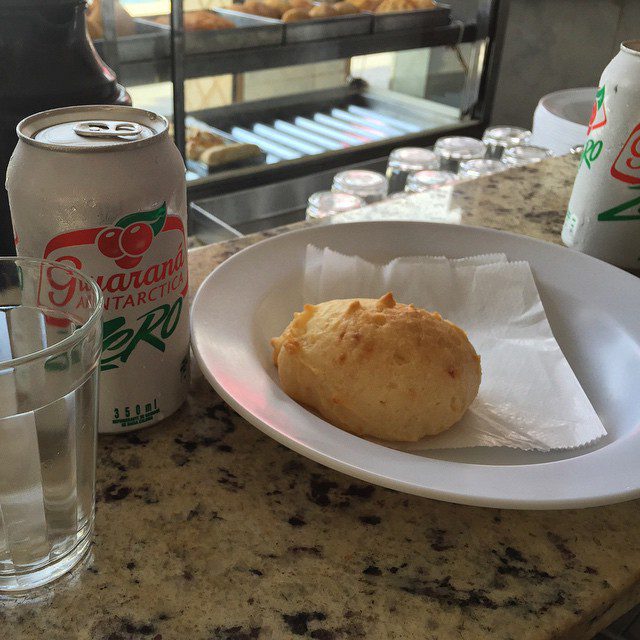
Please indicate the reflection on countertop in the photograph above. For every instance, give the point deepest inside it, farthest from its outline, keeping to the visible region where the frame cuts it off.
(528, 200)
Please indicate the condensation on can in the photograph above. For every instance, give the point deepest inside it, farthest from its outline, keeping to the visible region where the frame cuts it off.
(102, 188)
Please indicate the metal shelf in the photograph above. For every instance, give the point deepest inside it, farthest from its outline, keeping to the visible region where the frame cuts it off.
(168, 54)
(230, 181)
(148, 59)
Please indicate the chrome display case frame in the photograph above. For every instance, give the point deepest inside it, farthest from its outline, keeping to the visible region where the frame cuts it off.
(161, 56)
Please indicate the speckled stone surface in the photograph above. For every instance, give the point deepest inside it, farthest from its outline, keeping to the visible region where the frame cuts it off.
(208, 530)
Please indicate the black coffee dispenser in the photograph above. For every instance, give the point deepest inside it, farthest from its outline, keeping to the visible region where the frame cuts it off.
(46, 61)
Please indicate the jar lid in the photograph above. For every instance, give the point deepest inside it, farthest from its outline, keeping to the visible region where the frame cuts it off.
(480, 167)
(413, 159)
(424, 180)
(504, 136)
(524, 154)
(460, 148)
(324, 203)
(360, 182)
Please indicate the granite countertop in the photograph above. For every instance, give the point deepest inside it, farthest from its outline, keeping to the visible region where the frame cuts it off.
(208, 530)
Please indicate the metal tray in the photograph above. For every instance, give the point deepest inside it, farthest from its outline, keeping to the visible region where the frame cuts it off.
(412, 20)
(150, 41)
(325, 28)
(202, 169)
(251, 31)
(330, 127)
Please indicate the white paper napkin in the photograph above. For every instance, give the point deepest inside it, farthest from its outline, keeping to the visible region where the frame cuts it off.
(529, 397)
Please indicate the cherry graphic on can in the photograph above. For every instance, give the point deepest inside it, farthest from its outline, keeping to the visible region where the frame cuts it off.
(108, 242)
(131, 236)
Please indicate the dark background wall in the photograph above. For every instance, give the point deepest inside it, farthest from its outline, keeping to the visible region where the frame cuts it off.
(557, 44)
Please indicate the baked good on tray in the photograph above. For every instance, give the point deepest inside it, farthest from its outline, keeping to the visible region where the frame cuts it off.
(378, 368)
(393, 6)
(125, 26)
(281, 6)
(219, 155)
(345, 8)
(198, 141)
(295, 15)
(323, 10)
(201, 21)
(214, 150)
(257, 8)
(295, 10)
(366, 5)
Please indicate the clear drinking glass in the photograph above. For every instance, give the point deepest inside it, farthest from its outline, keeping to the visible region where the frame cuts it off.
(405, 161)
(50, 341)
(371, 186)
(326, 203)
(500, 138)
(425, 180)
(524, 154)
(453, 150)
(480, 167)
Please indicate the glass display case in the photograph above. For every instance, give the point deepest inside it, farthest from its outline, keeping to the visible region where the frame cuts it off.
(257, 100)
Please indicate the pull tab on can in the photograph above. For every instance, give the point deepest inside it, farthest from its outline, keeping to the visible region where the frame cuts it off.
(107, 129)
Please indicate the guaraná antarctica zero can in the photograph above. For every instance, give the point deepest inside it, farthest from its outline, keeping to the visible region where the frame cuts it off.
(603, 217)
(102, 189)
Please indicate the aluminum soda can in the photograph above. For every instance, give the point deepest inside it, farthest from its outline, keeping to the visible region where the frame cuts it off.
(102, 189)
(603, 217)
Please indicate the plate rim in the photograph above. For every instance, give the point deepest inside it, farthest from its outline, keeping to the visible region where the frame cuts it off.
(378, 478)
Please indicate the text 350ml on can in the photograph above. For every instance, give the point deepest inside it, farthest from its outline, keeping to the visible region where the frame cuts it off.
(102, 189)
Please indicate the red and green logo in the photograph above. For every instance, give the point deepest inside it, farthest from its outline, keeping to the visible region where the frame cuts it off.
(626, 166)
(598, 113)
(131, 236)
(140, 265)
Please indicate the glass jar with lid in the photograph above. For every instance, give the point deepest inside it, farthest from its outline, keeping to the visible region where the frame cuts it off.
(480, 167)
(524, 154)
(422, 181)
(453, 150)
(326, 203)
(405, 161)
(500, 138)
(371, 186)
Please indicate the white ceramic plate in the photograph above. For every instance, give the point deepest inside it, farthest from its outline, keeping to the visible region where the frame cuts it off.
(593, 310)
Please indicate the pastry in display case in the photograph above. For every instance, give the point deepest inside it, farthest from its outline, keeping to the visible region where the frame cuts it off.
(208, 151)
(345, 8)
(125, 25)
(258, 8)
(295, 15)
(296, 10)
(200, 21)
(395, 6)
(240, 129)
(366, 5)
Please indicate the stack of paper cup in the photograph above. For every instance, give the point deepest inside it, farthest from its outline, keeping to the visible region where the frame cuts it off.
(560, 119)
